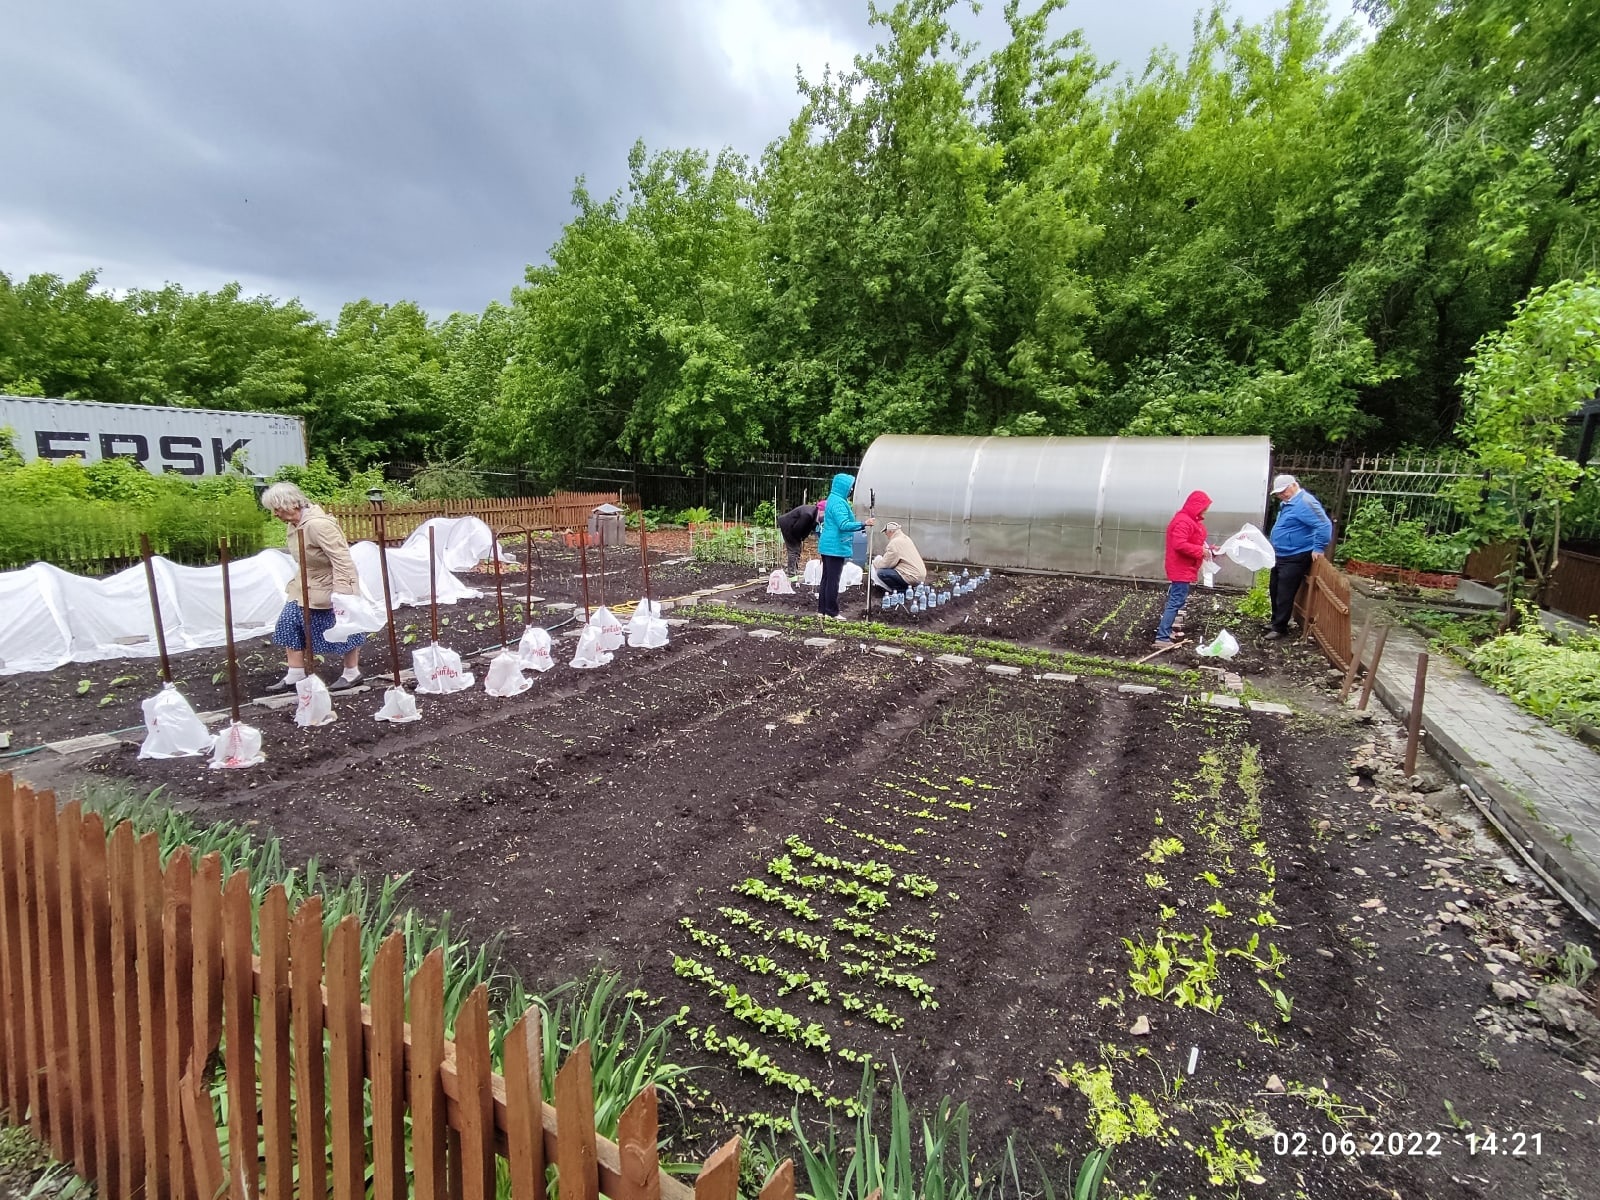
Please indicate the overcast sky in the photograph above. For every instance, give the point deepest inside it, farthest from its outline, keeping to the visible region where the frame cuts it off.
(333, 149)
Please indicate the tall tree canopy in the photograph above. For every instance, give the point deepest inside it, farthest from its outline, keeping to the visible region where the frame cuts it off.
(1298, 229)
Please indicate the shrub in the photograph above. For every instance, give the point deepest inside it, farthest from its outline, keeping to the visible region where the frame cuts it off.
(1375, 534)
(766, 515)
(454, 479)
(1557, 681)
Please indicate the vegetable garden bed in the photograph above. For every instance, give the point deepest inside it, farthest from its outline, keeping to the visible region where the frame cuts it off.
(1045, 899)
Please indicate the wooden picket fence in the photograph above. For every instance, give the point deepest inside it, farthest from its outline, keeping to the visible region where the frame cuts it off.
(129, 988)
(1323, 607)
(563, 510)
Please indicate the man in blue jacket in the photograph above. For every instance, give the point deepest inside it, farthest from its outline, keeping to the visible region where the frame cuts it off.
(1300, 534)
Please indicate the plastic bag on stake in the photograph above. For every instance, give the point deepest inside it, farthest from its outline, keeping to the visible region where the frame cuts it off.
(533, 651)
(778, 584)
(651, 636)
(172, 730)
(1224, 645)
(604, 620)
(1250, 549)
(399, 706)
(353, 615)
(314, 706)
(590, 653)
(851, 576)
(812, 575)
(439, 671)
(505, 677)
(239, 745)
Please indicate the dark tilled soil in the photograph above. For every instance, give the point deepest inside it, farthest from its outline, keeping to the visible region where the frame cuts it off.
(105, 697)
(590, 818)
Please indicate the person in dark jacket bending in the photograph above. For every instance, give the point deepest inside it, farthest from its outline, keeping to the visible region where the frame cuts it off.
(796, 526)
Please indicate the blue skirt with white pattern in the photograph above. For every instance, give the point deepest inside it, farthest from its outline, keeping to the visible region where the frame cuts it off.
(290, 632)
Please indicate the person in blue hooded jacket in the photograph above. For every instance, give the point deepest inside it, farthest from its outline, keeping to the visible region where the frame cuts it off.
(1300, 534)
(839, 524)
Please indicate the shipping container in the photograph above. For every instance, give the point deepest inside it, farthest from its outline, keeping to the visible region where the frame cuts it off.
(184, 441)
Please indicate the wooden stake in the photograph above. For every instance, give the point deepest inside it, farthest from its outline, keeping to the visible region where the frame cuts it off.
(388, 602)
(602, 570)
(1414, 721)
(644, 555)
(155, 606)
(500, 595)
(227, 629)
(1372, 671)
(305, 601)
(1355, 661)
(583, 565)
(433, 590)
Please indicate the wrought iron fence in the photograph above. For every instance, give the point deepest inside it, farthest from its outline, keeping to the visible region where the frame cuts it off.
(1410, 487)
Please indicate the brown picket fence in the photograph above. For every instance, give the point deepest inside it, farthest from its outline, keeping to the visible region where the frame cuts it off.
(1323, 608)
(131, 988)
(563, 510)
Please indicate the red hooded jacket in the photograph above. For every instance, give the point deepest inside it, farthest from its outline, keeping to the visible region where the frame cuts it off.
(1186, 539)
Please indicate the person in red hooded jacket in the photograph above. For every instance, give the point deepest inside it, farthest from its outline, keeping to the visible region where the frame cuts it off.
(1186, 550)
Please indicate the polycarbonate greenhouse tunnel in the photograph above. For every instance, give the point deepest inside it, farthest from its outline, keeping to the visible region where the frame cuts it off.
(1089, 506)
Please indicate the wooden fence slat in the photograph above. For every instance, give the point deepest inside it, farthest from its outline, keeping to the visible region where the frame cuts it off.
(206, 1003)
(239, 1038)
(576, 1168)
(310, 1072)
(69, 825)
(150, 980)
(52, 1001)
(719, 1178)
(525, 1108)
(344, 1061)
(32, 1065)
(277, 1121)
(477, 1110)
(177, 960)
(14, 1045)
(426, 1089)
(781, 1185)
(637, 1135)
(125, 1009)
(388, 1068)
(101, 1068)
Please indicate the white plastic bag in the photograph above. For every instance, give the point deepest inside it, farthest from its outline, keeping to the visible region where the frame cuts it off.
(1250, 549)
(851, 576)
(652, 635)
(778, 584)
(505, 676)
(1208, 571)
(171, 728)
(439, 671)
(314, 706)
(533, 651)
(1224, 645)
(399, 706)
(590, 653)
(238, 745)
(353, 615)
(812, 575)
(610, 628)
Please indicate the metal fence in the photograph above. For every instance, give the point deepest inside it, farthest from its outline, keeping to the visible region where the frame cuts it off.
(1409, 487)
(730, 494)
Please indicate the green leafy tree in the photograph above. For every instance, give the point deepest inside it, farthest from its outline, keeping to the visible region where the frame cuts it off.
(1525, 381)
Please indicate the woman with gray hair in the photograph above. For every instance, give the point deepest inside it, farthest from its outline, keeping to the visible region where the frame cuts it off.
(329, 568)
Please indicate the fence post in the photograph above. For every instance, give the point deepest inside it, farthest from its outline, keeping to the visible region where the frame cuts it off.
(1355, 661)
(577, 1159)
(1414, 718)
(1372, 671)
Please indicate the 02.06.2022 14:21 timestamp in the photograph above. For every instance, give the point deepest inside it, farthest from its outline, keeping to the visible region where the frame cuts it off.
(1398, 1144)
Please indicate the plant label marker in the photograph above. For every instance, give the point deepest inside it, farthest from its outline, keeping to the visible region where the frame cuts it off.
(155, 606)
(1194, 1058)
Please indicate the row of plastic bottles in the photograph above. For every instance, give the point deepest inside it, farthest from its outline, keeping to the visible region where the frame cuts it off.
(921, 598)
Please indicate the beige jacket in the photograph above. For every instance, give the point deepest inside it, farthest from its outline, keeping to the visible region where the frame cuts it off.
(329, 567)
(901, 554)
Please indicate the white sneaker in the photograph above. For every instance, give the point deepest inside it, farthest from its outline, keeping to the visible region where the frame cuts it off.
(838, 617)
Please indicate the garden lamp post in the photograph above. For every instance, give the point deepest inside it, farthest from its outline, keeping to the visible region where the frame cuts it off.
(375, 498)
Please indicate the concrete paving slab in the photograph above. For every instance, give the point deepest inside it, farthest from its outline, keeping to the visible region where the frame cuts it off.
(820, 643)
(1219, 700)
(1058, 677)
(721, 625)
(561, 606)
(764, 634)
(1003, 669)
(891, 651)
(1137, 689)
(92, 741)
(954, 660)
(1268, 706)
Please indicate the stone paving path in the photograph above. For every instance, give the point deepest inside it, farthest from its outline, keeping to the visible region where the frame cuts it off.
(1541, 784)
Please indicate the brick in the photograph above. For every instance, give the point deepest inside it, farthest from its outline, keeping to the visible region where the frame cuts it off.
(1003, 669)
(953, 660)
(1235, 683)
